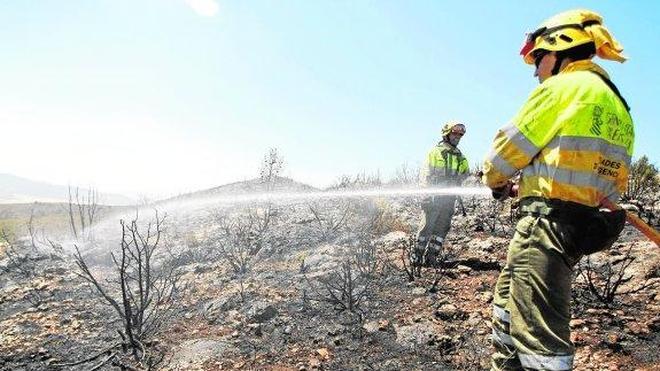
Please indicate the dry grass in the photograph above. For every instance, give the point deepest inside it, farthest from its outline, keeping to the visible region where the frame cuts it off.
(12, 225)
(48, 223)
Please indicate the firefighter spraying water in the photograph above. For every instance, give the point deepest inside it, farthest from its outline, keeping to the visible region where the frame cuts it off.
(572, 143)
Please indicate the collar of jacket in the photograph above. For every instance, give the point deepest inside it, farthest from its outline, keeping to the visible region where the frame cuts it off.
(584, 65)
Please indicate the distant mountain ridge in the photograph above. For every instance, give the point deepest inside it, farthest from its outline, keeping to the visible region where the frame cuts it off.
(19, 190)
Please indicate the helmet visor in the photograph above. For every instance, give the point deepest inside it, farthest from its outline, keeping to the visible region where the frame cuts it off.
(530, 38)
(526, 47)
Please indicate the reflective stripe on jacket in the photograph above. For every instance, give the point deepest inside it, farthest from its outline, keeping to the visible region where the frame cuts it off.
(445, 164)
(572, 140)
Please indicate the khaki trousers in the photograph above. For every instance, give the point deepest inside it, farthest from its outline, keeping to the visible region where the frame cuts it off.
(531, 305)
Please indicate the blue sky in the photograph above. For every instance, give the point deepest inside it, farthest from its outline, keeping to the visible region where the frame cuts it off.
(167, 96)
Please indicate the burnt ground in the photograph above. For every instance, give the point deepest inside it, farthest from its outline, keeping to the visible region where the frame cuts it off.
(275, 317)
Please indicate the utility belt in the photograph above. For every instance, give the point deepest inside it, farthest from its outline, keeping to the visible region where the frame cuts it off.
(595, 230)
(555, 209)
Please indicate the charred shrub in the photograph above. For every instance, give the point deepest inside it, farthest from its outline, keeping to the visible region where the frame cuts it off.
(144, 294)
(605, 276)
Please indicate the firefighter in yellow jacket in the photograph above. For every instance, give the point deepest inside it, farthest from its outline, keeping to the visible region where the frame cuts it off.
(445, 165)
(571, 143)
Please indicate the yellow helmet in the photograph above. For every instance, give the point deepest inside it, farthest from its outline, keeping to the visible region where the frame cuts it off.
(570, 29)
(453, 127)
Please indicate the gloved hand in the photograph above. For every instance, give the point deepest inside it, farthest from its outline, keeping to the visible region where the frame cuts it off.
(510, 189)
(513, 192)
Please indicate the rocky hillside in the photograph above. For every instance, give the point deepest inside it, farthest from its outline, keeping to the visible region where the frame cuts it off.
(306, 286)
(278, 184)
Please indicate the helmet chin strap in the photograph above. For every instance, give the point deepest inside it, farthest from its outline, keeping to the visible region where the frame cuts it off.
(560, 57)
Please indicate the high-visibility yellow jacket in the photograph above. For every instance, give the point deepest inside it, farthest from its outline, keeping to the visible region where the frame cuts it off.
(572, 140)
(445, 164)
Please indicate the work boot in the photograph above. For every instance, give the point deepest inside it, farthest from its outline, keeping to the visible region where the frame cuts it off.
(432, 251)
(418, 252)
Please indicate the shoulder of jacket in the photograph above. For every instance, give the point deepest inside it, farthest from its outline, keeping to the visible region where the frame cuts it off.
(441, 146)
(571, 87)
(575, 80)
(447, 148)
(435, 151)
